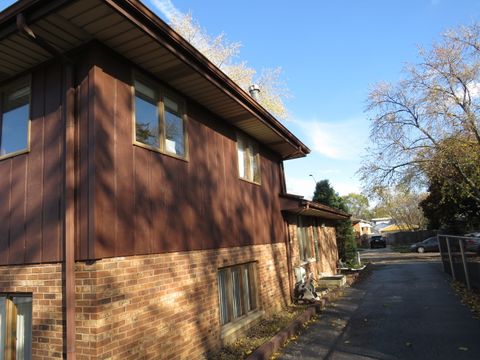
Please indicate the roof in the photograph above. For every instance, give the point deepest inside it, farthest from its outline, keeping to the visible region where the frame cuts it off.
(366, 222)
(382, 219)
(294, 204)
(133, 31)
(395, 228)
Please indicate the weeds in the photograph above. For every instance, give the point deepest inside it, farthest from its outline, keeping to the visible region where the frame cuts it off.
(469, 298)
(258, 335)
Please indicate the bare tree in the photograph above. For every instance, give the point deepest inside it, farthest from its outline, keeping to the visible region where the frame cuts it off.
(223, 53)
(427, 125)
(402, 205)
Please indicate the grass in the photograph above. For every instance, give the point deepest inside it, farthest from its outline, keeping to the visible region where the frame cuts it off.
(258, 335)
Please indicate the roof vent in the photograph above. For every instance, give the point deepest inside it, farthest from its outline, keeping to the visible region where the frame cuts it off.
(254, 90)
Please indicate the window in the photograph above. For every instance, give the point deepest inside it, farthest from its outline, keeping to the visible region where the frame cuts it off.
(15, 326)
(237, 291)
(304, 240)
(316, 240)
(248, 159)
(159, 120)
(14, 118)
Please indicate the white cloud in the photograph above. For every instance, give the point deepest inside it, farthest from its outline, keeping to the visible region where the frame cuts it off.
(343, 140)
(474, 89)
(346, 187)
(300, 186)
(167, 8)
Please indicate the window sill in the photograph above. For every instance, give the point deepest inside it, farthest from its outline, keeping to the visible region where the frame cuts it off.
(231, 331)
(152, 148)
(16, 153)
(251, 182)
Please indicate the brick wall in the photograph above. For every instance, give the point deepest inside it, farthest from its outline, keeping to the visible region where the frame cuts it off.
(328, 250)
(143, 307)
(328, 253)
(165, 306)
(45, 284)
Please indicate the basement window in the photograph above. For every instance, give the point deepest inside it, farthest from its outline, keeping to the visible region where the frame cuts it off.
(159, 120)
(15, 326)
(237, 290)
(15, 118)
(248, 159)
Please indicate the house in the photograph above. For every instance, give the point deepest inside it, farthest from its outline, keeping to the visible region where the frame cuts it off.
(394, 228)
(143, 206)
(362, 227)
(362, 230)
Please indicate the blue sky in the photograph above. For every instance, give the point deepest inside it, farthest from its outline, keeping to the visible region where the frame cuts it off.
(331, 53)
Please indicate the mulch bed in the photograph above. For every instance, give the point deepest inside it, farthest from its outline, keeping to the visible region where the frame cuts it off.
(272, 333)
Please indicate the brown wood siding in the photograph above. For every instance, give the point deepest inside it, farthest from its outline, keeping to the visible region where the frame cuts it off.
(31, 184)
(148, 202)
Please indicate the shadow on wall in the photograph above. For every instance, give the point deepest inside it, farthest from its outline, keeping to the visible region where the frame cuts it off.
(145, 203)
(148, 203)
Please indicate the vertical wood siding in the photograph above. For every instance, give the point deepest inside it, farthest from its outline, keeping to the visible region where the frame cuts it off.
(147, 202)
(31, 185)
(128, 200)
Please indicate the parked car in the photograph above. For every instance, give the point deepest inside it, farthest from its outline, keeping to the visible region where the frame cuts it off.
(430, 244)
(473, 244)
(377, 241)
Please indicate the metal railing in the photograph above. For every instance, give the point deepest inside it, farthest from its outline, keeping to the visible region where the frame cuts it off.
(452, 249)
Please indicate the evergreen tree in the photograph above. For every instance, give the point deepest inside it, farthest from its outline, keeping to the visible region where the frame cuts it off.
(326, 195)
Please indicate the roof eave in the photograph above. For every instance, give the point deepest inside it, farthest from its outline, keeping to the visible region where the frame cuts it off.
(198, 61)
(139, 15)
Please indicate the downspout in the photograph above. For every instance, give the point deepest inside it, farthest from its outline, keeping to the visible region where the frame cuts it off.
(289, 257)
(69, 203)
(68, 99)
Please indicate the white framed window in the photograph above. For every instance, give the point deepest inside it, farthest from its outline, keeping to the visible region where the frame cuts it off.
(248, 159)
(159, 119)
(237, 291)
(15, 326)
(15, 118)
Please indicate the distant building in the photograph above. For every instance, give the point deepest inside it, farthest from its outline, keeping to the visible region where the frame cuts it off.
(393, 228)
(362, 227)
(380, 223)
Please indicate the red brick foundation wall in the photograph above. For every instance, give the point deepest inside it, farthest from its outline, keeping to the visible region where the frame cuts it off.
(45, 283)
(143, 307)
(165, 306)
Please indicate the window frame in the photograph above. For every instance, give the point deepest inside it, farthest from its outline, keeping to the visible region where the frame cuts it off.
(10, 326)
(248, 143)
(252, 293)
(305, 240)
(160, 92)
(316, 239)
(11, 86)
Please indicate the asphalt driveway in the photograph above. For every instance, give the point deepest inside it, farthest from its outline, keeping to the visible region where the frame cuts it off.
(405, 309)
